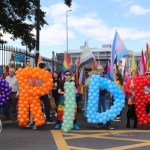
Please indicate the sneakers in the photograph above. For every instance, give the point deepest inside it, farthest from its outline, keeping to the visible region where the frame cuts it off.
(57, 126)
(111, 128)
(50, 122)
(75, 126)
(100, 125)
(34, 127)
(117, 119)
(29, 125)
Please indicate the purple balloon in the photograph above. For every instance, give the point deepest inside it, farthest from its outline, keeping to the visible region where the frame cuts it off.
(5, 91)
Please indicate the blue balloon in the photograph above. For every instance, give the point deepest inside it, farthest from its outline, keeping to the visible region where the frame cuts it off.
(97, 82)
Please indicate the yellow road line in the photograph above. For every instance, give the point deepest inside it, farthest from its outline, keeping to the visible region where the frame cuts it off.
(129, 146)
(81, 148)
(59, 140)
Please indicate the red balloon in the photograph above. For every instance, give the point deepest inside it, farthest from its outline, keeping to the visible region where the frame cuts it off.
(141, 99)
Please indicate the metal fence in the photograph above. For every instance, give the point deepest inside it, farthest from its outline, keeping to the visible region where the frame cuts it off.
(6, 53)
(17, 57)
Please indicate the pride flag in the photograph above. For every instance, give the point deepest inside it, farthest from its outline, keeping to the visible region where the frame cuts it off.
(118, 48)
(94, 65)
(142, 64)
(5, 71)
(99, 63)
(125, 73)
(147, 57)
(87, 56)
(39, 60)
(77, 63)
(26, 64)
(133, 63)
(66, 63)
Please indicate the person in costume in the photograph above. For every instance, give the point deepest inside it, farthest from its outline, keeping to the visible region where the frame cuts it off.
(60, 111)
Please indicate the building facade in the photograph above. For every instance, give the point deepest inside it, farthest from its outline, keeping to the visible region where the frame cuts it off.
(104, 55)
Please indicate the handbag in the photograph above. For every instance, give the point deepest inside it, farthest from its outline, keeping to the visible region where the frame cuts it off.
(52, 103)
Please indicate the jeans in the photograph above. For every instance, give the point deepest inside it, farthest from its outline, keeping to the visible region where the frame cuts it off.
(104, 104)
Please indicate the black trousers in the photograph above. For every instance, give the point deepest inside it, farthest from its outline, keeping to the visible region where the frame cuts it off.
(131, 115)
(46, 103)
(10, 110)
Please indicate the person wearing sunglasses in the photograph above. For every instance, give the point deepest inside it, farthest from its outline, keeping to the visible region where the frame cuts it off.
(60, 111)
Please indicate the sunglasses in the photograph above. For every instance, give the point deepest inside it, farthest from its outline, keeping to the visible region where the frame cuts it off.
(67, 74)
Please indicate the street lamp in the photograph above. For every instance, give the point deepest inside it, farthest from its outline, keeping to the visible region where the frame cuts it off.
(67, 29)
(37, 31)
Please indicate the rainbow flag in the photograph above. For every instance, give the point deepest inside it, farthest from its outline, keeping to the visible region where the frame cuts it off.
(133, 63)
(125, 73)
(11, 57)
(10, 65)
(39, 60)
(71, 63)
(26, 64)
(66, 63)
(81, 81)
(5, 71)
(99, 63)
(142, 64)
(77, 63)
(93, 65)
(147, 57)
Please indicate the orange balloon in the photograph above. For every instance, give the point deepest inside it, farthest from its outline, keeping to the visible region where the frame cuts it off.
(30, 91)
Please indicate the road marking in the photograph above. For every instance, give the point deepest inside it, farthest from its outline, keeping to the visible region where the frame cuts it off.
(100, 134)
(59, 140)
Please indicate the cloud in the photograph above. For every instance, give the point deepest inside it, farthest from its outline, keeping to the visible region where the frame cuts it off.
(55, 35)
(88, 25)
(138, 10)
(123, 2)
(133, 33)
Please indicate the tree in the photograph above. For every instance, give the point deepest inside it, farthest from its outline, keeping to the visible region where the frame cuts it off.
(68, 2)
(18, 18)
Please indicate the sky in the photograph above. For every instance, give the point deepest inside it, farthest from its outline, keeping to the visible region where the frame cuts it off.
(94, 21)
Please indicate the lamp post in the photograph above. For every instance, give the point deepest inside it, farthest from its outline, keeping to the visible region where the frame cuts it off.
(37, 31)
(67, 29)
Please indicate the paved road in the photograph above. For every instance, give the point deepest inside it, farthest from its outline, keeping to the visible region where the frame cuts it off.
(88, 138)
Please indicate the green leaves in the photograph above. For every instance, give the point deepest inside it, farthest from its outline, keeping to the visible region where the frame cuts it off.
(68, 2)
(18, 18)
